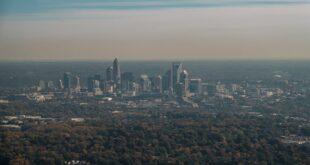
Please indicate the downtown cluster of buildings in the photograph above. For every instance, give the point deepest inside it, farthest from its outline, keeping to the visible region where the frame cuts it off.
(174, 85)
(175, 82)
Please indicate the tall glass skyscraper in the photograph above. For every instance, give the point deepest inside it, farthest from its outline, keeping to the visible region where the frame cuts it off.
(67, 80)
(109, 74)
(116, 72)
(176, 70)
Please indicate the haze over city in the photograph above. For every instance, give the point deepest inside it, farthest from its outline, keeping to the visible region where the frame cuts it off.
(154, 30)
(86, 82)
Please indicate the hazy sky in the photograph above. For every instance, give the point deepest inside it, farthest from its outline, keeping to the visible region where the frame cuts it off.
(154, 29)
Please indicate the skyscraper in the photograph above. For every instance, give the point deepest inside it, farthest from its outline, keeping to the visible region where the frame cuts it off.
(42, 85)
(96, 87)
(178, 90)
(184, 79)
(97, 77)
(158, 84)
(96, 84)
(211, 89)
(166, 81)
(176, 70)
(109, 74)
(90, 84)
(145, 83)
(60, 85)
(67, 80)
(116, 72)
(195, 86)
(102, 83)
(50, 85)
(127, 81)
(76, 83)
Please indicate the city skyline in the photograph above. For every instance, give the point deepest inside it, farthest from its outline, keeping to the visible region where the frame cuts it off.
(177, 83)
(214, 112)
(154, 82)
(154, 30)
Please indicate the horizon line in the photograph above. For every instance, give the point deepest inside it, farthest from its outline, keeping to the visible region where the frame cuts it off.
(150, 60)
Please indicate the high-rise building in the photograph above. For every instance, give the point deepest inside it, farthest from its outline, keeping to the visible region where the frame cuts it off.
(127, 81)
(50, 85)
(184, 80)
(204, 89)
(67, 80)
(96, 84)
(158, 84)
(136, 88)
(109, 74)
(96, 87)
(93, 85)
(90, 84)
(145, 83)
(60, 85)
(220, 88)
(116, 72)
(179, 90)
(211, 90)
(97, 77)
(101, 81)
(166, 81)
(109, 87)
(76, 83)
(234, 87)
(176, 70)
(195, 86)
(42, 85)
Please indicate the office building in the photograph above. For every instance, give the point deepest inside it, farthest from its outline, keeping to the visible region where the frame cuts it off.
(96, 87)
(116, 72)
(67, 80)
(195, 86)
(145, 84)
(176, 70)
(90, 84)
(109, 74)
(184, 80)
(127, 81)
(60, 85)
(211, 90)
(97, 77)
(42, 85)
(96, 84)
(158, 84)
(76, 83)
(166, 82)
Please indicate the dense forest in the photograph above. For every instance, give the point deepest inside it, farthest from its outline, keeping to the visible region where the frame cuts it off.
(144, 136)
